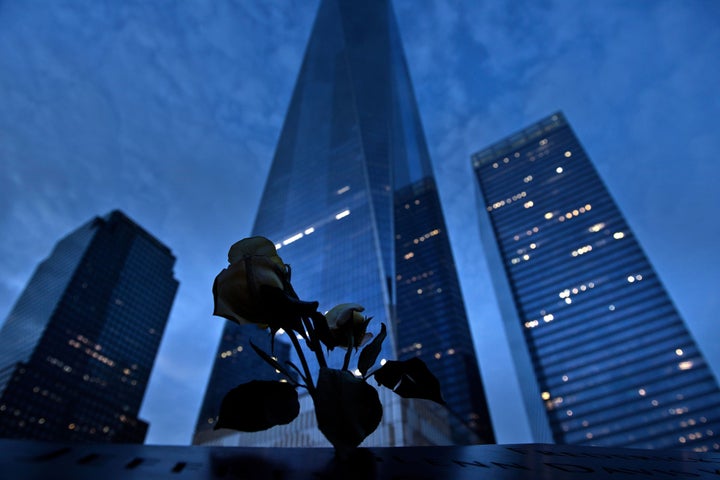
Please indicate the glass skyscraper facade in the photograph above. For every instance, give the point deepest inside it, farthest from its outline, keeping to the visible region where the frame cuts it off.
(602, 354)
(77, 348)
(352, 204)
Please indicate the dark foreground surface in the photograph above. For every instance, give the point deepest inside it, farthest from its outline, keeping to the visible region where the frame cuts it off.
(37, 460)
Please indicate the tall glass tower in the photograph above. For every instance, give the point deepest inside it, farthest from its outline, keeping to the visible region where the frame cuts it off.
(602, 354)
(77, 349)
(352, 203)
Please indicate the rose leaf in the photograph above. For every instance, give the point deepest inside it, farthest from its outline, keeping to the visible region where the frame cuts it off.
(410, 379)
(369, 354)
(258, 405)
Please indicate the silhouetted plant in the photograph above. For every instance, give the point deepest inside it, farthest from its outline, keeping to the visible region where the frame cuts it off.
(255, 289)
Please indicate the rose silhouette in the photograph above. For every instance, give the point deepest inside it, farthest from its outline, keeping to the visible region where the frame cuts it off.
(255, 289)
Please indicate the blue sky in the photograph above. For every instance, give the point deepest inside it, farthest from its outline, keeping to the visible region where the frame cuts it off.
(170, 111)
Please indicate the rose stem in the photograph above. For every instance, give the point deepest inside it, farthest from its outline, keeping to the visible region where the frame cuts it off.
(346, 361)
(298, 348)
(314, 342)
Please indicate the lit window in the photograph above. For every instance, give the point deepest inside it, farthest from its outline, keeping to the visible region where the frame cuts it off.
(559, 170)
(544, 141)
(548, 215)
(618, 235)
(408, 256)
(582, 250)
(611, 308)
(528, 179)
(438, 355)
(278, 246)
(679, 352)
(343, 190)
(568, 154)
(419, 291)
(642, 392)
(529, 204)
(545, 395)
(565, 378)
(569, 413)
(342, 214)
(630, 279)
(383, 362)
(450, 351)
(310, 230)
(686, 365)
(533, 246)
(568, 301)
(548, 318)
(532, 324)
(292, 239)
(526, 257)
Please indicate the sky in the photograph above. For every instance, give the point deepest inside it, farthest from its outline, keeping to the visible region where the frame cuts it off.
(170, 111)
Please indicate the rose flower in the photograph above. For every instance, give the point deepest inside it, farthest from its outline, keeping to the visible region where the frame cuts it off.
(346, 321)
(241, 291)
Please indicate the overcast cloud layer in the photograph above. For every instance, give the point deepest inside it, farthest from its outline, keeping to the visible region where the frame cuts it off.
(170, 111)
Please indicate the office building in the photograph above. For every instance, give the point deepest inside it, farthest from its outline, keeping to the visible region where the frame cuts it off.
(77, 348)
(602, 355)
(352, 204)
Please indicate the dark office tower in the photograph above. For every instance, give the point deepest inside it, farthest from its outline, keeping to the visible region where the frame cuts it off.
(77, 348)
(352, 204)
(602, 354)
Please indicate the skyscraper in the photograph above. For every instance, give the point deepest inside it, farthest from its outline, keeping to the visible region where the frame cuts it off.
(602, 354)
(352, 204)
(77, 349)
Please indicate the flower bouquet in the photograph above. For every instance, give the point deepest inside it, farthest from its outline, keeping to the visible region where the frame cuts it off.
(255, 289)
